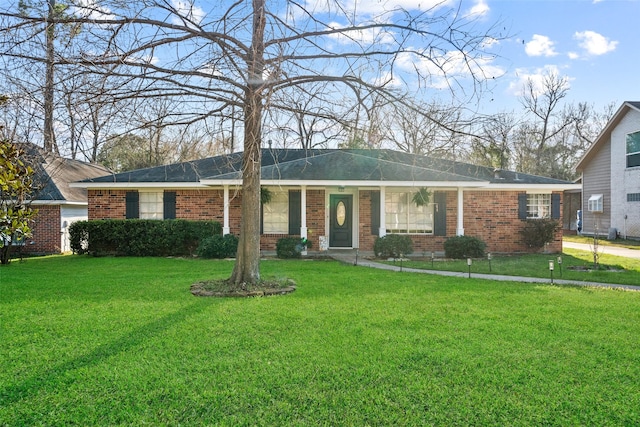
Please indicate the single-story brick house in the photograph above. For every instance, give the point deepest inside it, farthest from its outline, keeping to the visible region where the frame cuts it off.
(341, 198)
(58, 204)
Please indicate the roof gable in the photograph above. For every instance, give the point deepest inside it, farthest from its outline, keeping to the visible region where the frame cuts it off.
(605, 135)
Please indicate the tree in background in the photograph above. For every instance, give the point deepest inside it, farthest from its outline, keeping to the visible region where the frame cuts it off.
(16, 189)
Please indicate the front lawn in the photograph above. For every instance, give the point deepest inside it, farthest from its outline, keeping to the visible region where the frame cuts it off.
(576, 265)
(121, 341)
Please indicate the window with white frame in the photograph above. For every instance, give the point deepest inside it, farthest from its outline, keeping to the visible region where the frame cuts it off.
(633, 149)
(151, 205)
(595, 203)
(538, 205)
(403, 216)
(276, 214)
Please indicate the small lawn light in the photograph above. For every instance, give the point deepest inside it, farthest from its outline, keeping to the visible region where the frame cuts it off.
(489, 258)
(469, 265)
(551, 267)
(560, 265)
(433, 256)
(401, 256)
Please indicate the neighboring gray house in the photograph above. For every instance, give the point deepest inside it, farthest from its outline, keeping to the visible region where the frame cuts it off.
(611, 177)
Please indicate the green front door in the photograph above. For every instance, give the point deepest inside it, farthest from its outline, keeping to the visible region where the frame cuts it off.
(341, 220)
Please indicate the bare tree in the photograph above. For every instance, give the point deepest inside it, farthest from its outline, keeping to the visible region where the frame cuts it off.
(242, 54)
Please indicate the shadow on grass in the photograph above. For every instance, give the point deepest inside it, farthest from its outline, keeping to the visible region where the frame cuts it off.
(56, 376)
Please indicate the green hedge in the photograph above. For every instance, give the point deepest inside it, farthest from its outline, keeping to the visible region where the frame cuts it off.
(140, 237)
(218, 246)
(461, 247)
(291, 247)
(393, 245)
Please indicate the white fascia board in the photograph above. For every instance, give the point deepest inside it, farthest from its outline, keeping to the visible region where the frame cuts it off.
(57, 202)
(119, 185)
(533, 187)
(334, 183)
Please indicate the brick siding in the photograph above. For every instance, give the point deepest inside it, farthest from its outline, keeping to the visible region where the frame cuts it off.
(490, 215)
(46, 232)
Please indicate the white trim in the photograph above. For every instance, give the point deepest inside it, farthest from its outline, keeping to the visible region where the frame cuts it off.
(58, 202)
(383, 214)
(460, 220)
(324, 184)
(303, 212)
(225, 227)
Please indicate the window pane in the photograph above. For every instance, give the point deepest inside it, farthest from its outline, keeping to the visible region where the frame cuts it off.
(276, 214)
(538, 205)
(403, 216)
(633, 143)
(633, 160)
(151, 206)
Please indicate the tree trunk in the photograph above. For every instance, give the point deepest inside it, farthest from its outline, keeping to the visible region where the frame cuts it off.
(247, 267)
(48, 135)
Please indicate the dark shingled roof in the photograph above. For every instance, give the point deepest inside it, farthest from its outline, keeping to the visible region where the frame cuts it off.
(54, 173)
(327, 164)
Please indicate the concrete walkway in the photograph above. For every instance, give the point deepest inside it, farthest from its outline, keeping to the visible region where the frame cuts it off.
(602, 249)
(349, 257)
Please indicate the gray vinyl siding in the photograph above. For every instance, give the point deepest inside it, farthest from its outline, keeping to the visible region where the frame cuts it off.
(596, 179)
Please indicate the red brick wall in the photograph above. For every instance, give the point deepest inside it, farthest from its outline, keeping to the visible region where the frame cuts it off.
(493, 217)
(489, 215)
(106, 204)
(46, 231)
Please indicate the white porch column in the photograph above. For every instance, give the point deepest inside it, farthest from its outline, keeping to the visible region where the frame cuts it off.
(460, 226)
(303, 212)
(383, 221)
(225, 224)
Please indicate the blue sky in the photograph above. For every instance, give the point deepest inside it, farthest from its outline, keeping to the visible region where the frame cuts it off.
(594, 44)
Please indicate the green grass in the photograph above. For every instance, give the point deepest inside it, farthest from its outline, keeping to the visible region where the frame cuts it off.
(121, 341)
(613, 269)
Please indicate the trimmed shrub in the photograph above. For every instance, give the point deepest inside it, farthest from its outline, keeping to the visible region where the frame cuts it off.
(393, 245)
(139, 237)
(291, 247)
(218, 246)
(461, 247)
(538, 232)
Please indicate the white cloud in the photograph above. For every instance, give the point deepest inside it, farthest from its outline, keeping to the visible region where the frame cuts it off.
(90, 9)
(573, 55)
(537, 78)
(373, 7)
(442, 71)
(364, 36)
(540, 46)
(479, 9)
(188, 11)
(594, 43)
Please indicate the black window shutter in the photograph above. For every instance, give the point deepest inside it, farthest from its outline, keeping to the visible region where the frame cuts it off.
(295, 212)
(440, 213)
(132, 208)
(261, 218)
(375, 213)
(522, 206)
(169, 201)
(555, 206)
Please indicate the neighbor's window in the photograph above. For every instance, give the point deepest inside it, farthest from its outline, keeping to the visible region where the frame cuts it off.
(403, 216)
(538, 205)
(151, 205)
(276, 214)
(595, 203)
(633, 149)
